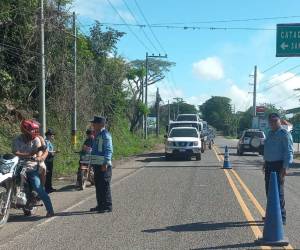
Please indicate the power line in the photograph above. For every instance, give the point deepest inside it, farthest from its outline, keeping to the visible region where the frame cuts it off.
(149, 26)
(145, 34)
(291, 96)
(188, 27)
(288, 70)
(279, 83)
(128, 26)
(274, 65)
(231, 20)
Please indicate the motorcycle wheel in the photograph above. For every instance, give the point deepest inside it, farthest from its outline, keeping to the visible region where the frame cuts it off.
(4, 205)
(83, 179)
(91, 177)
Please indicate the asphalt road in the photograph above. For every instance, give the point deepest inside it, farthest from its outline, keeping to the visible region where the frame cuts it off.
(163, 205)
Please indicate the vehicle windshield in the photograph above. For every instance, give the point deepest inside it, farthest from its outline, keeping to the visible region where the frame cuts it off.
(183, 133)
(254, 134)
(187, 118)
(175, 125)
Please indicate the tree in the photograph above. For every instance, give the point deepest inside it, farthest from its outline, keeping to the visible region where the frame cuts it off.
(184, 108)
(135, 80)
(246, 117)
(218, 113)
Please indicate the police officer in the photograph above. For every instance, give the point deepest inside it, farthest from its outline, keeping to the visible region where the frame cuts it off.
(102, 150)
(278, 155)
(49, 160)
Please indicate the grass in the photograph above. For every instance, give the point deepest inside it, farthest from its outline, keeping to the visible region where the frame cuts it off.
(125, 144)
(66, 161)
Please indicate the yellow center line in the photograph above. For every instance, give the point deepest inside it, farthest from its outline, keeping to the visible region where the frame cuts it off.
(216, 154)
(255, 229)
(251, 196)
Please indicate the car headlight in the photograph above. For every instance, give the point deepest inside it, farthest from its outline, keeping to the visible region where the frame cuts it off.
(195, 143)
(5, 168)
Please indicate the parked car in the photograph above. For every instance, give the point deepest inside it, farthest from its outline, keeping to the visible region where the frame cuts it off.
(184, 142)
(251, 140)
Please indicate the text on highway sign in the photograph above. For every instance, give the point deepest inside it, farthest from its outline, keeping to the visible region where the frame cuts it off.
(288, 40)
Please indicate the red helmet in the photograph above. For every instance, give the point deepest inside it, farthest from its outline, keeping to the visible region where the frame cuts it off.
(30, 128)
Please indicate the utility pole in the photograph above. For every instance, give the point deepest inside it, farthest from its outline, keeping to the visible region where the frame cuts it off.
(142, 95)
(74, 113)
(169, 112)
(254, 91)
(174, 114)
(177, 100)
(42, 85)
(158, 100)
(146, 89)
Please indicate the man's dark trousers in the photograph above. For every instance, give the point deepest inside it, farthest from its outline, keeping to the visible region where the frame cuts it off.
(276, 166)
(48, 184)
(103, 189)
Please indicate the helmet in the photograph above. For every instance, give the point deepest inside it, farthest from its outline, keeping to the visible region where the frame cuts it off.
(30, 128)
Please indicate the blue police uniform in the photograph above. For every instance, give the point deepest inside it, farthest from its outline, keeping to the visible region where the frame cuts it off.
(278, 154)
(101, 154)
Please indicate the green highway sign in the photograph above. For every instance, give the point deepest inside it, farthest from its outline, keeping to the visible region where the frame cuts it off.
(288, 40)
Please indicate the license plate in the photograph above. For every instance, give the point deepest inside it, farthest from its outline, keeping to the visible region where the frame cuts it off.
(181, 150)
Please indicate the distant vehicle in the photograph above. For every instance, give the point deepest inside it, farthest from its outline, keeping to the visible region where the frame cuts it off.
(183, 141)
(252, 140)
(188, 117)
(195, 124)
(176, 124)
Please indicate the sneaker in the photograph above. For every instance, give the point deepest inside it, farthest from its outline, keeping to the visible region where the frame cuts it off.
(94, 209)
(102, 211)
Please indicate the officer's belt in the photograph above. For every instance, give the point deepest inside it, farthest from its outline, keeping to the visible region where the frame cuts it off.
(97, 160)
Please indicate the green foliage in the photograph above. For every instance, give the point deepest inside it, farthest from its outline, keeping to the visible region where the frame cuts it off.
(101, 75)
(142, 108)
(295, 119)
(124, 142)
(136, 78)
(181, 106)
(245, 118)
(217, 112)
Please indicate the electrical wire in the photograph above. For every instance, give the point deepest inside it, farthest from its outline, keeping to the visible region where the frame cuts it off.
(274, 65)
(291, 96)
(128, 26)
(188, 27)
(231, 20)
(279, 83)
(149, 26)
(287, 71)
(136, 21)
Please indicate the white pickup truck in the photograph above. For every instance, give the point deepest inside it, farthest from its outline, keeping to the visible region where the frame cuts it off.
(183, 141)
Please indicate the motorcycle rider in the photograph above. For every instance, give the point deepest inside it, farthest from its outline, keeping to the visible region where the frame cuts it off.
(31, 147)
(86, 149)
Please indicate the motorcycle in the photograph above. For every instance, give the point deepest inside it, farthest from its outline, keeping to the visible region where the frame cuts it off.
(15, 191)
(86, 171)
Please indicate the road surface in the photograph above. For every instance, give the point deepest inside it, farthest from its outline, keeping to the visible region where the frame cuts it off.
(160, 204)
